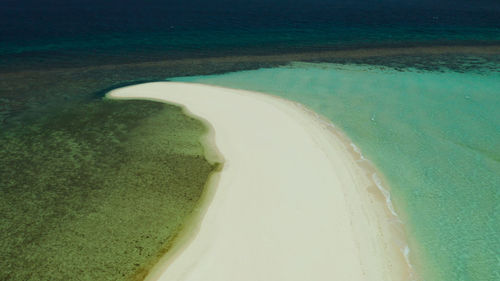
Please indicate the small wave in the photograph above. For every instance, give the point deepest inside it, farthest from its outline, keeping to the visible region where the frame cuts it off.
(406, 249)
(406, 254)
(358, 151)
(385, 192)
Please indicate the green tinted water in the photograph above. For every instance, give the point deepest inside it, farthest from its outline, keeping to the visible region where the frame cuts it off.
(434, 135)
(93, 189)
(90, 188)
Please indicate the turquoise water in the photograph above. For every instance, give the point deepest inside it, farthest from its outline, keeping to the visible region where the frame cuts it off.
(434, 135)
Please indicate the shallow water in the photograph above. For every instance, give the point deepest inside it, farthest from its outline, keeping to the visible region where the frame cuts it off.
(97, 191)
(435, 136)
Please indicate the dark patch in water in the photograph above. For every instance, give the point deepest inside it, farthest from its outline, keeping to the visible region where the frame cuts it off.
(102, 93)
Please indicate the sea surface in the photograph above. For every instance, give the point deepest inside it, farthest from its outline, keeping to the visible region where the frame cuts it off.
(80, 173)
(72, 33)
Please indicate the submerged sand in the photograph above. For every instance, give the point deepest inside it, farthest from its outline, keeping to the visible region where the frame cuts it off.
(291, 203)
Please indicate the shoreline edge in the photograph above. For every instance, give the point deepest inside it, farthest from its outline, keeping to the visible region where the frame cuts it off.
(387, 233)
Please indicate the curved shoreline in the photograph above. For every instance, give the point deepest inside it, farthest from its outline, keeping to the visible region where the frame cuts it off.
(357, 238)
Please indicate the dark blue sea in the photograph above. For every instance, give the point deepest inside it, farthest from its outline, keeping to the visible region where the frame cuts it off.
(76, 33)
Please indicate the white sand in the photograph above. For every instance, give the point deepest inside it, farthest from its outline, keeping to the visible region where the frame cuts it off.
(292, 202)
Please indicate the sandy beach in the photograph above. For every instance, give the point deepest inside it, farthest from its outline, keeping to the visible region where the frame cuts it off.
(293, 201)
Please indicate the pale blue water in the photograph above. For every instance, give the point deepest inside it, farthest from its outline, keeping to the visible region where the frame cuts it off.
(435, 136)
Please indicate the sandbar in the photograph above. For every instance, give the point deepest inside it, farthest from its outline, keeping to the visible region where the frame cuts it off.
(293, 200)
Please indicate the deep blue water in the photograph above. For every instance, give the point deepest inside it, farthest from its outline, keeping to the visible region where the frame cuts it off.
(170, 29)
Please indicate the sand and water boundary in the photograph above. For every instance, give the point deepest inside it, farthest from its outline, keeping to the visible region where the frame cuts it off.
(295, 198)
